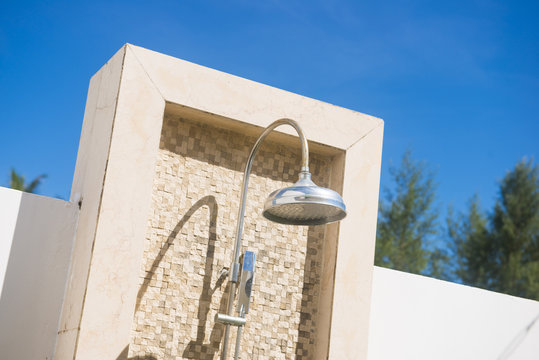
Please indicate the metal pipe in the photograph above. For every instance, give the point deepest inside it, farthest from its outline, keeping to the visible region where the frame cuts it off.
(235, 266)
(229, 312)
(238, 342)
(238, 336)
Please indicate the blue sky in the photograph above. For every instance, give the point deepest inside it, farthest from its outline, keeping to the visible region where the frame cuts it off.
(458, 82)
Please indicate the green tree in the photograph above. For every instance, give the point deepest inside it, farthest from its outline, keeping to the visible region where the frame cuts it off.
(471, 245)
(18, 182)
(407, 221)
(502, 253)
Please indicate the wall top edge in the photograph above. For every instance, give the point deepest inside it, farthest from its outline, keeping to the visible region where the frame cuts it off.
(447, 284)
(194, 86)
(38, 197)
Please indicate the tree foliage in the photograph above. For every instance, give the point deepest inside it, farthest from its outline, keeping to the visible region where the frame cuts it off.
(471, 245)
(407, 221)
(18, 182)
(500, 252)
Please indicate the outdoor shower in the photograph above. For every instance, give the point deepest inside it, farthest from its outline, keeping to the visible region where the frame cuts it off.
(303, 203)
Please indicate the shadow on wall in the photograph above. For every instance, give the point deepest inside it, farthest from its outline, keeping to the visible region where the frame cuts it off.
(207, 292)
(304, 347)
(125, 352)
(517, 340)
(229, 150)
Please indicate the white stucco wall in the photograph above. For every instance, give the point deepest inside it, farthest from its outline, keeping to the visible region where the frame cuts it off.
(9, 208)
(36, 237)
(412, 317)
(419, 318)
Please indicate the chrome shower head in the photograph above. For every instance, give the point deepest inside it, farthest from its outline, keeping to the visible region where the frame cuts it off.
(304, 203)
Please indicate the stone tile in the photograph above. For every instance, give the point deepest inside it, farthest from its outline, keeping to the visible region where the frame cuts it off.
(190, 234)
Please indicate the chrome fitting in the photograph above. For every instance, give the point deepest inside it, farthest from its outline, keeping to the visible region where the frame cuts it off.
(230, 320)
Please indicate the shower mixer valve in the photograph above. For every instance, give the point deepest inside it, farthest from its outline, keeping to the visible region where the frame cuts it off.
(246, 282)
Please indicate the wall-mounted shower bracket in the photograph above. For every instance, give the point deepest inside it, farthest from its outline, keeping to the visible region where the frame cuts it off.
(230, 320)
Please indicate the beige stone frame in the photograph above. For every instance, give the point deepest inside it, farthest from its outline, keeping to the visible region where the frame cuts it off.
(126, 104)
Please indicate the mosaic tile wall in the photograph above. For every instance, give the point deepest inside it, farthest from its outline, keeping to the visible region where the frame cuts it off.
(190, 239)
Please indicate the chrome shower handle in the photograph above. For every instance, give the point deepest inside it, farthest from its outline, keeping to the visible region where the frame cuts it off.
(246, 282)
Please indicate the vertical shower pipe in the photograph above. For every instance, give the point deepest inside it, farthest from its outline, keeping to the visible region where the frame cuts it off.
(235, 266)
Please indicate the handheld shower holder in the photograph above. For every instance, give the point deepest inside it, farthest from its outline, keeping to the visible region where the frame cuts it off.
(230, 320)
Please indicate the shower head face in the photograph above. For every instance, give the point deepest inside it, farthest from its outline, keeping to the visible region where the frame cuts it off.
(304, 203)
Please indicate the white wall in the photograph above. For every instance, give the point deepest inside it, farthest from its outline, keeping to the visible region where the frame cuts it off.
(36, 237)
(412, 317)
(9, 208)
(419, 318)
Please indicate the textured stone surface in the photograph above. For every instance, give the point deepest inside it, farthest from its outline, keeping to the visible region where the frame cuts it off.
(190, 235)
